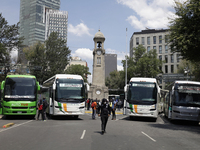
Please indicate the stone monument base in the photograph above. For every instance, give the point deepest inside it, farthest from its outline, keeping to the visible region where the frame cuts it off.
(98, 92)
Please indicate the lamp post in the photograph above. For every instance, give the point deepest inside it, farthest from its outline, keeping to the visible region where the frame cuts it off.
(124, 111)
(186, 70)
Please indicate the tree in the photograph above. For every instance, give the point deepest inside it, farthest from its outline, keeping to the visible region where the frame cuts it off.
(57, 54)
(36, 55)
(9, 39)
(49, 58)
(184, 30)
(78, 70)
(148, 65)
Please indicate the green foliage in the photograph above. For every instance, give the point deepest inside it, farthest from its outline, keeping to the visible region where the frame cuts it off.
(142, 64)
(9, 39)
(78, 70)
(57, 54)
(116, 80)
(185, 30)
(37, 61)
(48, 59)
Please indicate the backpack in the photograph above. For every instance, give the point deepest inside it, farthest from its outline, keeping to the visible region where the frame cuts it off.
(92, 105)
(105, 110)
(40, 105)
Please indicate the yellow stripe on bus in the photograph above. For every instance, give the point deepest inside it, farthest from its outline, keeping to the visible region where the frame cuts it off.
(135, 107)
(65, 107)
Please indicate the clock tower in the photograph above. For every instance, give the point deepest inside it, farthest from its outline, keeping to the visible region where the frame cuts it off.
(98, 89)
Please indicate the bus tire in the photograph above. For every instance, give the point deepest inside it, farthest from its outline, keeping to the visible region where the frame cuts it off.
(76, 116)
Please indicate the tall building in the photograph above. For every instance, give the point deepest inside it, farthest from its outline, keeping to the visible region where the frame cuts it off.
(32, 19)
(156, 39)
(110, 64)
(56, 21)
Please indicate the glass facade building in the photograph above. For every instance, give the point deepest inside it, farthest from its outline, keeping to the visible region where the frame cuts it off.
(32, 19)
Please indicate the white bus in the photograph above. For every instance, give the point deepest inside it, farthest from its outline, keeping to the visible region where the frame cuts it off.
(143, 98)
(182, 102)
(66, 95)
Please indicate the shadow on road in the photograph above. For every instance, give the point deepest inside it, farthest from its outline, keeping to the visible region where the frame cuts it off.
(14, 117)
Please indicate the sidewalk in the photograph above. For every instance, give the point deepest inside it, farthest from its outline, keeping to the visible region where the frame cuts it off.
(117, 112)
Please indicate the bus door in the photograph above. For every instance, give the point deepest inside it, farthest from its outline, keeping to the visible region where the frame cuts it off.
(51, 100)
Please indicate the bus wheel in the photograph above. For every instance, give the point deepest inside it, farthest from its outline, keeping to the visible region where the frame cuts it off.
(76, 116)
(131, 117)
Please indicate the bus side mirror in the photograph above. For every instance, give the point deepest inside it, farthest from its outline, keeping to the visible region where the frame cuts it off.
(54, 86)
(2, 85)
(38, 86)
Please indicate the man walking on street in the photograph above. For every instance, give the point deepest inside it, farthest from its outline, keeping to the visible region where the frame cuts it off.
(104, 111)
(114, 103)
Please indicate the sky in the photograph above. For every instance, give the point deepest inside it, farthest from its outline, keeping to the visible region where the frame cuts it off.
(112, 17)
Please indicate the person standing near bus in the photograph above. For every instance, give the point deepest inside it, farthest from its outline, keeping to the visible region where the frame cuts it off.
(94, 108)
(45, 105)
(40, 109)
(114, 103)
(104, 111)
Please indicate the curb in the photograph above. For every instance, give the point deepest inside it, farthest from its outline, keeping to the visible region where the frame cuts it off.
(8, 125)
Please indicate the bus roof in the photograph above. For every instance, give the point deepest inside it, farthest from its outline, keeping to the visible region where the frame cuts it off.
(20, 76)
(63, 76)
(187, 82)
(141, 79)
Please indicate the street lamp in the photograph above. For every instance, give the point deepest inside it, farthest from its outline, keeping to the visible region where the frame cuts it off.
(186, 71)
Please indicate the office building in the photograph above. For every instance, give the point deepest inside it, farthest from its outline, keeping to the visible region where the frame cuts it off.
(156, 39)
(56, 21)
(32, 19)
(110, 64)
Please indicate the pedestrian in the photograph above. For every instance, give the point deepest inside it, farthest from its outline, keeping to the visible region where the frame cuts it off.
(45, 105)
(88, 104)
(104, 111)
(94, 108)
(40, 109)
(114, 103)
(119, 104)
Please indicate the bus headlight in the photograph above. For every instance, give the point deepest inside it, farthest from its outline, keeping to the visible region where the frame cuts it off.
(153, 107)
(6, 106)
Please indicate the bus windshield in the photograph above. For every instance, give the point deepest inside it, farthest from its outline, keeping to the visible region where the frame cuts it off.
(69, 90)
(187, 95)
(20, 89)
(142, 93)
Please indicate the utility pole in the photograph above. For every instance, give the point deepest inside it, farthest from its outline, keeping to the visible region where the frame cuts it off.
(124, 112)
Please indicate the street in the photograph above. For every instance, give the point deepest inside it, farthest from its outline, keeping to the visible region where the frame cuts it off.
(85, 134)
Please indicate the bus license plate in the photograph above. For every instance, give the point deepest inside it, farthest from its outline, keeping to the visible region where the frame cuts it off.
(19, 112)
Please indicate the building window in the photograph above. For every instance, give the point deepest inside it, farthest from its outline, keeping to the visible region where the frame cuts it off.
(172, 68)
(166, 58)
(98, 60)
(166, 38)
(154, 40)
(148, 48)
(178, 57)
(160, 39)
(160, 57)
(154, 47)
(166, 48)
(160, 49)
(166, 69)
(148, 40)
(143, 43)
(172, 58)
(137, 41)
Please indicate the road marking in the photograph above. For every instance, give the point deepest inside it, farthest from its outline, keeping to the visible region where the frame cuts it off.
(149, 136)
(83, 134)
(16, 125)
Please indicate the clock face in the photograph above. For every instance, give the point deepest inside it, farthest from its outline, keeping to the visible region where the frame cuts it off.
(98, 52)
(98, 92)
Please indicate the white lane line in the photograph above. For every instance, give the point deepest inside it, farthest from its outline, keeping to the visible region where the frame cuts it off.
(16, 125)
(149, 136)
(83, 134)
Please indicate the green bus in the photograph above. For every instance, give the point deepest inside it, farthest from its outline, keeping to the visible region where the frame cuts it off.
(19, 95)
